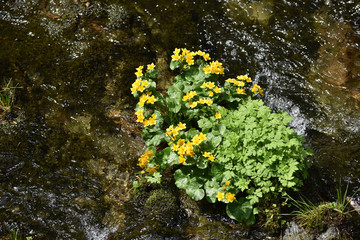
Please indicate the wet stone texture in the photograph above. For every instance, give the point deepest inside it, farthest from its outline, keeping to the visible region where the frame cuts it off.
(68, 163)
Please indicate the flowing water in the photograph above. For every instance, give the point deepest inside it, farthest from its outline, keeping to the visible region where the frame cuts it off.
(68, 159)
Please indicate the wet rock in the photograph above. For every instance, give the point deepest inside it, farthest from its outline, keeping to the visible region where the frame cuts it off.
(259, 11)
(295, 232)
(334, 78)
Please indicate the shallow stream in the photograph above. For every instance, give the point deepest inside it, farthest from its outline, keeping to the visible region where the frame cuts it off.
(68, 159)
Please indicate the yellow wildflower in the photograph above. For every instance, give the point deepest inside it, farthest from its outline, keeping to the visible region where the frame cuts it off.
(141, 88)
(175, 57)
(204, 85)
(133, 89)
(227, 182)
(200, 53)
(223, 187)
(217, 115)
(189, 59)
(230, 197)
(202, 136)
(206, 154)
(207, 69)
(181, 142)
(176, 51)
(140, 118)
(230, 80)
(189, 149)
(145, 83)
(182, 159)
(211, 158)
(151, 99)
(174, 132)
(139, 112)
(240, 91)
(169, 130)
(175, 147)
(206, 57)
(256, 88)
(202, 101)
(149, 153)
(140, 68)
(152, 120)
(146, 122)
(143, 99)
(210, 85)
(217, 89)
(192, 104)
(151, 170)
(220, 196)
(241, 77)
(211, 93)
(184, 52)
(196, 140)
(138, 73)
(181, 126)
(150, 66)
(209, 102)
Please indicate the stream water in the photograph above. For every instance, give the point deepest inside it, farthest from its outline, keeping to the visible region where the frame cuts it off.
(68, 159)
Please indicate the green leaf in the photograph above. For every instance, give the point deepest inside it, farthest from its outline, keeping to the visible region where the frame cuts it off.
(181, 180)
(202, 164)
(173, 158)
(156, 139)
(205, 123)
(195, 193)
(219, 129)
(239, 210)
(152, 73)
(154, 178)
(211, 189)
(217, 171)
(174, 64)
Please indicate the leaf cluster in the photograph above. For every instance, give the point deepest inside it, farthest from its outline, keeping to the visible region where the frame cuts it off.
(226, 146)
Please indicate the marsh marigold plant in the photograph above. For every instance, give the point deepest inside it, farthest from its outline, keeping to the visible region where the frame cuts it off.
(226, 145)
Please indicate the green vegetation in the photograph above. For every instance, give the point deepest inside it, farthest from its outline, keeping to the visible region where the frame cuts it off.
(225, 145)
(16, 235)
(316, 217)
(7, 95)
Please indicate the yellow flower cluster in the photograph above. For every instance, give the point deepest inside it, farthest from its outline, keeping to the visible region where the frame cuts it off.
(152, 170)
(217, 115)
(205, 101)
(235, 82)
(139, 85)
(197, 139)
(209, 156)
(256, 88)
(240, 84)
(229, 196)
(188, 56)
(244, 78)
(150, 121)
(214, 67)
(146, 98)
(141, 118)
(144, 159)
(212, 87)
(139, 72)
(184, 149)
(189, 95)
(174, 131)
